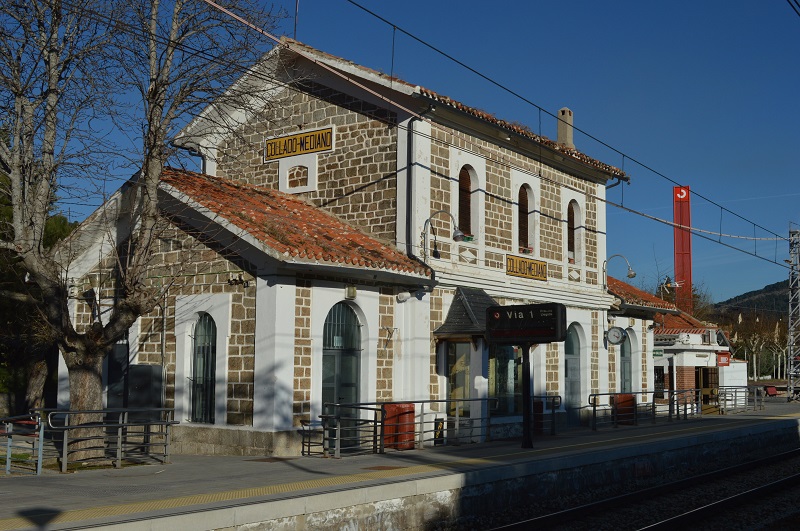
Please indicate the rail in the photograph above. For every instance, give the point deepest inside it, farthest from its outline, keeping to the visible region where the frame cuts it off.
(135, 434)
(376, 426)
(624, 408)
(24, 441)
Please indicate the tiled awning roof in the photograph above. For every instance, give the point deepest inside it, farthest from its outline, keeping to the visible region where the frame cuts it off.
(636, 297)
(682, 323)
(288, 228)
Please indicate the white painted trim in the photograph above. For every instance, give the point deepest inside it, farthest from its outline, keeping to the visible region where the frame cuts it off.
(187, 311)
(518, 179)
(309, 161)
(459, 159)
(567, 196)
(273, 378)
(367, 307)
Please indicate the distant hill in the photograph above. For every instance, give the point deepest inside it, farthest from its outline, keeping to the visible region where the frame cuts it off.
(772, 300)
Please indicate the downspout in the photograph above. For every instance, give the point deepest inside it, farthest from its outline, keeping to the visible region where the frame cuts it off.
(164, 308)
(410, 195)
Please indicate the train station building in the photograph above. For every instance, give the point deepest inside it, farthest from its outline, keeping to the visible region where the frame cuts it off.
(343, 247)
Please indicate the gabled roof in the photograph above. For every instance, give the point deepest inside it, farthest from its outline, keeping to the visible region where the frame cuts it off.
(467, 313)
(286, 227)
(682, 323)
(635, 299)
(358, 74)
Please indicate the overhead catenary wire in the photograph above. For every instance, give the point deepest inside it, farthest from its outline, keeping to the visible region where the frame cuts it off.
(478, 152)
(540, 109)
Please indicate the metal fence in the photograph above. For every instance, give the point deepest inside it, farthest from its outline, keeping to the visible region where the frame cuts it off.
(24, 442)
(110, 436)
(737, 399)
(376, 426)
(615, 409)
(134, 435)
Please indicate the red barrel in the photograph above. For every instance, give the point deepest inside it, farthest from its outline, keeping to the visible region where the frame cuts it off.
(625, 406)
(398, 426)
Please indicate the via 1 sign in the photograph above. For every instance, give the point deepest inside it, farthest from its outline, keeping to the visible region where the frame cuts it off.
(526, 323)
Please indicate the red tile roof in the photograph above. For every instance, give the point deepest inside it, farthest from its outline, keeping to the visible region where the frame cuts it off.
(521, 130)
(637, 297)
(682, 323)
(296, 230)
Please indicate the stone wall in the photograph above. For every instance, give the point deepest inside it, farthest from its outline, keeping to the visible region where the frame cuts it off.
(357, 181)
(500, 197)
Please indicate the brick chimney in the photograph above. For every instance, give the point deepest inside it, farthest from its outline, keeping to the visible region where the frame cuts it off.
(565, 127)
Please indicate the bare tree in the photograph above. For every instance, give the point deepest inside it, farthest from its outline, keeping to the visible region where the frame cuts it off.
(67, 70)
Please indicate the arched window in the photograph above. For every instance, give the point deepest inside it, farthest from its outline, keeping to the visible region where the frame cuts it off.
(204, 360)
(573, 237)
(341, 352)
(626, 366)
(573, 400)
(465, 186)
(526, 227)
(341, 366)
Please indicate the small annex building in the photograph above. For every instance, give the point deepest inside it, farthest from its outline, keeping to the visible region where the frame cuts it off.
(691, 354)
(311, 262)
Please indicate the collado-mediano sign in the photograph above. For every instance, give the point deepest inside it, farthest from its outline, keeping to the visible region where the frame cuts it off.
(517, 266)
(315, 141)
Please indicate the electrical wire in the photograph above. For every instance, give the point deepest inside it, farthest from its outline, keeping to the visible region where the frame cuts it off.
(476, 151)
(795, 5)
(540, 109)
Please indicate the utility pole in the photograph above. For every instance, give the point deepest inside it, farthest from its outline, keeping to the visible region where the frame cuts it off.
(792, 363)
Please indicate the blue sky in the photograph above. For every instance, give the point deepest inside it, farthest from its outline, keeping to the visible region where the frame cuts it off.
(702, 93)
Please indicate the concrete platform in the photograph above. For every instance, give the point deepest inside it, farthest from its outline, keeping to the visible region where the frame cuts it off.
(398, 490)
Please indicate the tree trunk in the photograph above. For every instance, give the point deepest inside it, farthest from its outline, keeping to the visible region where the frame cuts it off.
(34, 393)
(85, 396)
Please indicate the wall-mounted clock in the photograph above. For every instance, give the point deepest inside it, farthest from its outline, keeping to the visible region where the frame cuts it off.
(616, 335)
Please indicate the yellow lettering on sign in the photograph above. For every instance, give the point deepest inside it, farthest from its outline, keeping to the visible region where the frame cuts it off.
(299, 144)
(516, 266)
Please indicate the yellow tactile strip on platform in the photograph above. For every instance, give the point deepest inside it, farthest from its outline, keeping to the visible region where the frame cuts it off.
(216, 497)
(52, 517)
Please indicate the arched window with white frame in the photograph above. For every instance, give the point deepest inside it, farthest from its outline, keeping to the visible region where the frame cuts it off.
(204, 361)
(574, 233)
(466, 198)
(526, 225)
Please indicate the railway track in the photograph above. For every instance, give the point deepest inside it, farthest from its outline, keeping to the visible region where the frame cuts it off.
(752, 495)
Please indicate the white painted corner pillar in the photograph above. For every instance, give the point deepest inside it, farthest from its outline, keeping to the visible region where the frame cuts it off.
(274, 354)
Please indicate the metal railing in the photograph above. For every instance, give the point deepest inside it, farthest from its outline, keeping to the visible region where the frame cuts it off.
(118, 435)
(376, 426)
(625, 408)
(24, 438)
(354, 428)
(736, 399)
(549, 403)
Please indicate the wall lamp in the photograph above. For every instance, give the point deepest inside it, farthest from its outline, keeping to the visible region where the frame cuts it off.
(631, 272)
(457, 235)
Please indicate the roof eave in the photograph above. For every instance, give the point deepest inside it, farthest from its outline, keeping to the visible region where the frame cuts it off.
(395, 277)
(651, 311)
(456, 118)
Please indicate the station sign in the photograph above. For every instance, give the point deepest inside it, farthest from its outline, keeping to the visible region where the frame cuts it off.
(526, 323)
(315, 141)
(517, 266)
